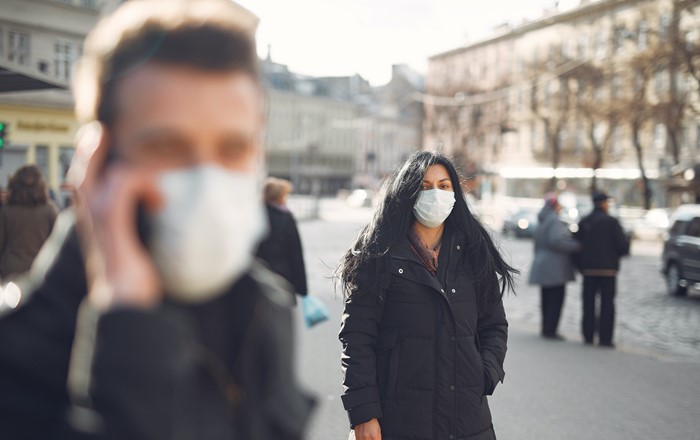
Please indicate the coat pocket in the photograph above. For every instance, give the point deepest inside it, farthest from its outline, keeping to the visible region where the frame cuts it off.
(486, 385)
(388, 348)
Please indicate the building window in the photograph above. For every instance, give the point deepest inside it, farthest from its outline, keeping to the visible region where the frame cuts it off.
(64, 56)
(601, 43)
(619, 36)
(664, 24)
(659, 137)
(661, 82)
(580, 138)
(643, 35)
(42, 160)
(616, 144)
(65, 156)
(18, 47)
(582, 45)
(92, 4)
(617, 86)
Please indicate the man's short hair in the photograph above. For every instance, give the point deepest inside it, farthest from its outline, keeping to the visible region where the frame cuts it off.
(211, 35)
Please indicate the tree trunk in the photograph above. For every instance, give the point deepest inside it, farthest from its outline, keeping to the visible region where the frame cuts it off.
(646, 185)
(553, 140)
(597, 158)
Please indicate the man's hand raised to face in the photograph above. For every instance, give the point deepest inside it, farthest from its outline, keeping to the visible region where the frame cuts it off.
(120, 271)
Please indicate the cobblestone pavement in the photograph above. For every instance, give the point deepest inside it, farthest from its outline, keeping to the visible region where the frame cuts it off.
(648, 319)
(648, 389)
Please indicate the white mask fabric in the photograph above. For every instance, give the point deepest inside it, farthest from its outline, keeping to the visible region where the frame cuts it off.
(203, 239)
(433, 207)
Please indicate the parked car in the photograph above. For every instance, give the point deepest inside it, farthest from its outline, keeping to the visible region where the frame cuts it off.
(360, 198)
(680, 260)
(522, 222)
(653, 225)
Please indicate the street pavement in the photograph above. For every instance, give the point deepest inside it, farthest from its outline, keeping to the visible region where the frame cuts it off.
(649, 388)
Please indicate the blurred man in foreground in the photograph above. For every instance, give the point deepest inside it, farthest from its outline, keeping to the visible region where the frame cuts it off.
(149, 304)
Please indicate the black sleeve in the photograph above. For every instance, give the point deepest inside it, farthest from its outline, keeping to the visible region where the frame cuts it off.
(622, 243)
(36, 340)
(296, 258)
(3, 233)
(492, 330)
(358, 334)
(282, 406)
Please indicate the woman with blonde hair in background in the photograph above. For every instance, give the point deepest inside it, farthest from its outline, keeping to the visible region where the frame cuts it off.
(282, 250)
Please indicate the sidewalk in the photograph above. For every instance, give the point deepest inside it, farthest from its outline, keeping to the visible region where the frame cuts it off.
(552, 391)
(568, 391)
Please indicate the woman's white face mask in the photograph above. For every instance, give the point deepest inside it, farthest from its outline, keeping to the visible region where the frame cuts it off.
(203, 239)
(433, 207)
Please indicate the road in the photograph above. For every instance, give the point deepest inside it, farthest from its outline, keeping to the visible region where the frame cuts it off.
(647, 389)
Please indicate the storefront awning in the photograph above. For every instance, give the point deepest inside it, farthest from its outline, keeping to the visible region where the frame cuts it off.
(573, 173)
(14, 81)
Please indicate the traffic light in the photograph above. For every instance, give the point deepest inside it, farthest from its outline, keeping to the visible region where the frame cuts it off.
(3, 134)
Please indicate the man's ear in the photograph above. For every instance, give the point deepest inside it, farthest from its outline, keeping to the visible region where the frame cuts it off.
(91, 154)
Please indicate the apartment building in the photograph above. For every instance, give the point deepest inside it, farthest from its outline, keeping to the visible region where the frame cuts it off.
(496, 104)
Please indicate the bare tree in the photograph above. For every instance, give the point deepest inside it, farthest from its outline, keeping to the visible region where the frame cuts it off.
(638, 111)
(550, 94)
(596, 105)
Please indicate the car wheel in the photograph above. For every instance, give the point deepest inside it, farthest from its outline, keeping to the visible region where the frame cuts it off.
(673, 281)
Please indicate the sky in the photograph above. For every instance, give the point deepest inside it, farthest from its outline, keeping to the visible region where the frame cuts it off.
(344, 37)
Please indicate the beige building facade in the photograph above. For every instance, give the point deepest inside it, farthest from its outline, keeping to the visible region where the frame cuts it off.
(39, 42)
(492, 104)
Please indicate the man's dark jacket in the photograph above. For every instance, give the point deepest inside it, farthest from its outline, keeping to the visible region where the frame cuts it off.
(282, 250)
(423, 359)
(603, 242)
(219, 370)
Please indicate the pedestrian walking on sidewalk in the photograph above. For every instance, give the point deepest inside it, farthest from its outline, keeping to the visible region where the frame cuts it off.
(603, 243)
(552, 267)
(281, 250)
(424, 330)
(25, 222)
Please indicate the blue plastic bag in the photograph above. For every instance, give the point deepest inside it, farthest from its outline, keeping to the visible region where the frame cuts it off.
(314, 310)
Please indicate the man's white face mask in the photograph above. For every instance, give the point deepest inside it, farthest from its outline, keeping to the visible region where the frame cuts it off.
(203, 239)
(433, 207)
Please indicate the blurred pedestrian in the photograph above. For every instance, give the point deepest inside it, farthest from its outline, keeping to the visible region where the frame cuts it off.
(282, 249)
(26, 222)
(552, 267)
(152, 308)
(603, 243)
(424, 330)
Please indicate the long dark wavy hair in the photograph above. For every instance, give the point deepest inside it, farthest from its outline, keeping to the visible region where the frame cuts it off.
(360, 271)
(27, 187)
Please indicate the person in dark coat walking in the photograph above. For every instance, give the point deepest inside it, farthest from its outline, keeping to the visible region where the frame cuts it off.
(281, 250)
(145, 316)
(552, 267)
(424, 330)
(25, 222)
(603, 243)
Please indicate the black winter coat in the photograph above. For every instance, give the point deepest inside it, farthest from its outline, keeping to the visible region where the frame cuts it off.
(218, 370)
(423, 360)
(282, 250)
(603, 242)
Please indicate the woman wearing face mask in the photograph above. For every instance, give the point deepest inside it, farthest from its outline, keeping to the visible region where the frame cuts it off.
(424, 331)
